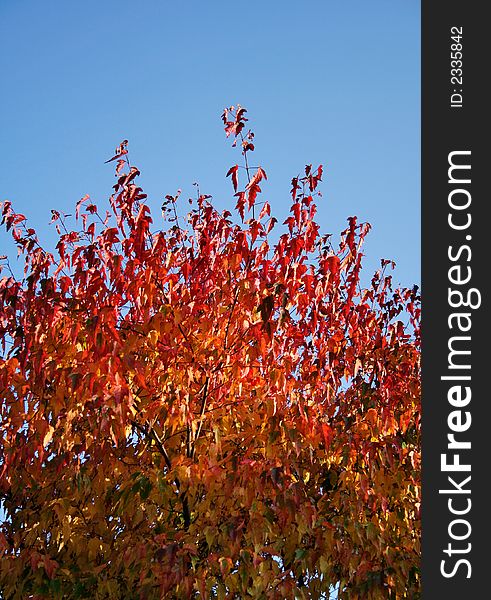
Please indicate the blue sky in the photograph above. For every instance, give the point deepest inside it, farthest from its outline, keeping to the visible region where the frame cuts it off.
(325, 81)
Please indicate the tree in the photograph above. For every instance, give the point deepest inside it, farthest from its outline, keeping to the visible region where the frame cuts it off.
(199, 412)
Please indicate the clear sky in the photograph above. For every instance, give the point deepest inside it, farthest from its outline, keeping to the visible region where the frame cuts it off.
(328, 81)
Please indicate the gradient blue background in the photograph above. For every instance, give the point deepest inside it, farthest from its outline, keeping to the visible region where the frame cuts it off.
(326, 82)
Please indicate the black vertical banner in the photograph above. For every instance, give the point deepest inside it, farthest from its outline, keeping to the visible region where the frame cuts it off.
(456, 509)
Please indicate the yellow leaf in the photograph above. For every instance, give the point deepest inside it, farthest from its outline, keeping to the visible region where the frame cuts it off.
(153, 337)
(48, 436)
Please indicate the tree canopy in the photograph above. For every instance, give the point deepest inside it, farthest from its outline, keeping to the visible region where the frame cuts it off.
(206, 407)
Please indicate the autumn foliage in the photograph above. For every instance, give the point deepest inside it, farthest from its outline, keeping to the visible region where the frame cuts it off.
(206, 408)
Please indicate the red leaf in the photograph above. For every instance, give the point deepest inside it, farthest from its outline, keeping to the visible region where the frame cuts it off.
(240, 114)
(254, 189)
(271, 224)
(333, 264)
(240, 206)
(266, 210)
(295, 188)
(79, 205)
(258, 176)
(120, 151)
(234, 172)
(326, 434)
